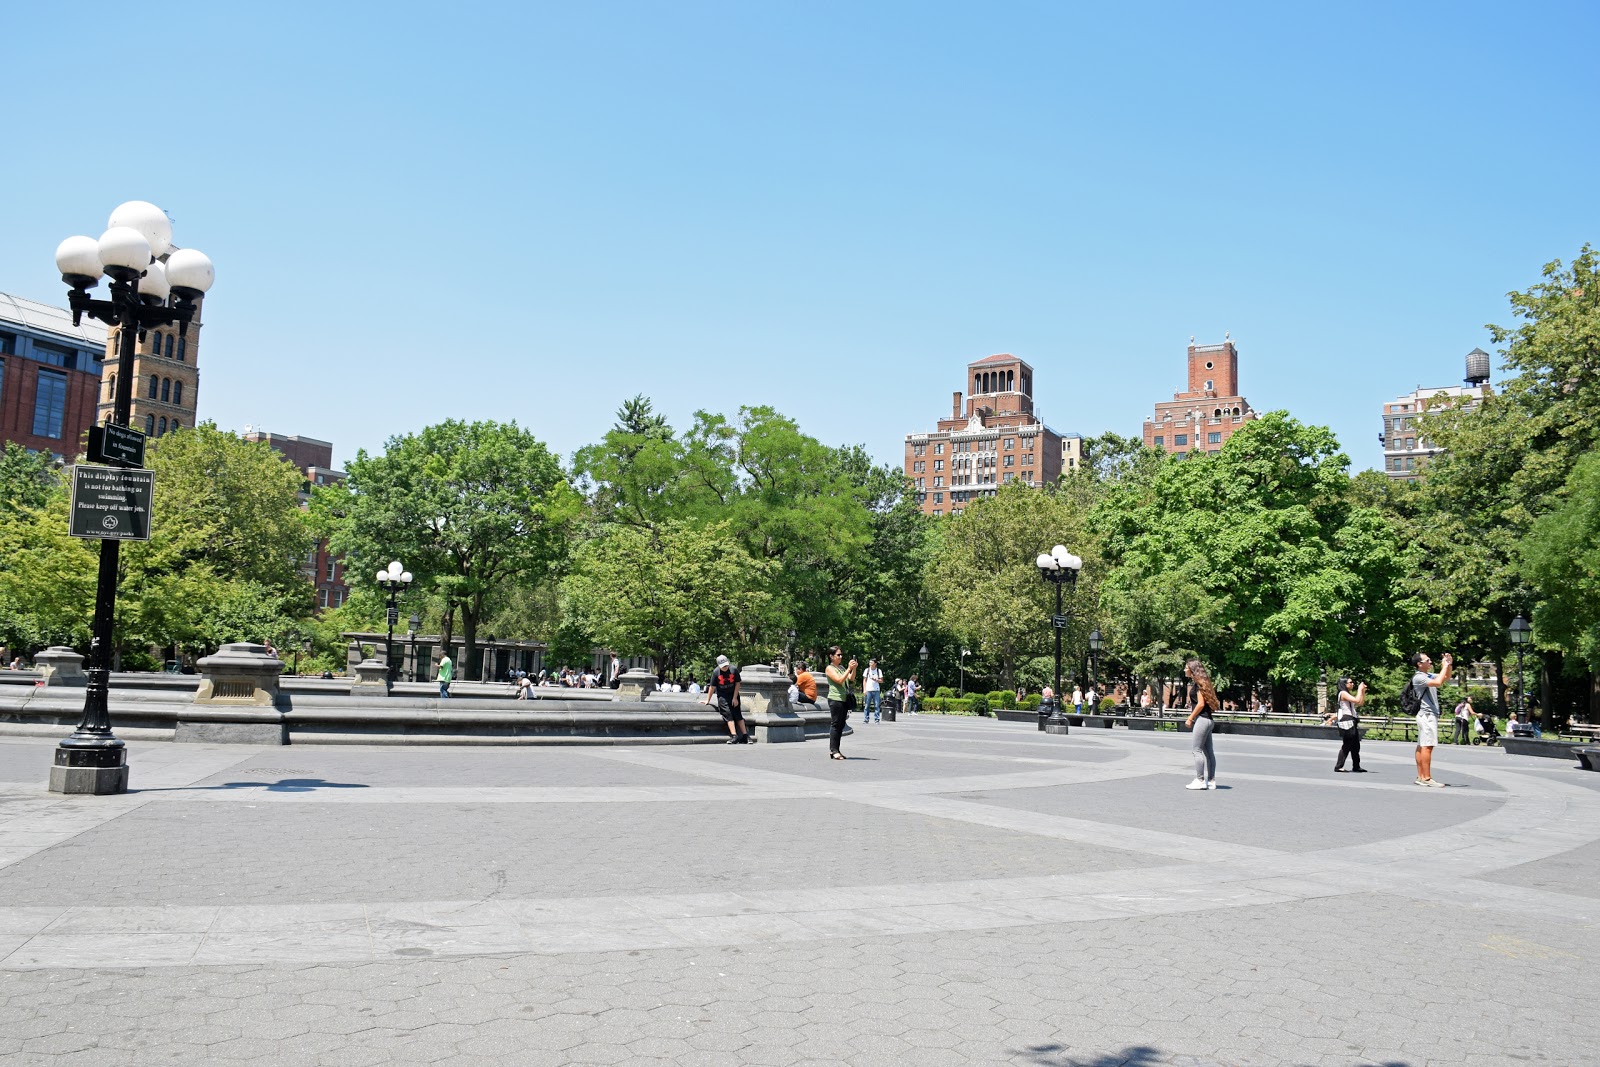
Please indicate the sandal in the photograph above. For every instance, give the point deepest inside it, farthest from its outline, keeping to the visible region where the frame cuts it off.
(835, 755)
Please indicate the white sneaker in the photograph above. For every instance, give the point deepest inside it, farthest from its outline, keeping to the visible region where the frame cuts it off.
(1211, 784)
(1198, 783)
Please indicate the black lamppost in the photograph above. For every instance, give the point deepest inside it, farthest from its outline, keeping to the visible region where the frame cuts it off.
(1521, 632)
(1095, 641)
(305, 646)
(411, 632)
(1059, 567)
(393, 580)
(962, 685)
(152, 284)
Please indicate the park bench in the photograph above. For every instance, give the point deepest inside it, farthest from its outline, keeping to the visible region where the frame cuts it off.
(1588, 758)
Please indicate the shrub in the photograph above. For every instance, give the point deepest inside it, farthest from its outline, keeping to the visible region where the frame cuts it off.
(1031, 701)
(1001, 698)
(1108, 705)
(944, 691)
(979, 704)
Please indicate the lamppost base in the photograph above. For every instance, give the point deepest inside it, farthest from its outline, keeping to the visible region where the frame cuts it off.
(1056, 726)
(98, 771)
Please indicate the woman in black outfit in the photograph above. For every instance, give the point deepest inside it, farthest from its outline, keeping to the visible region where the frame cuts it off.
(1349, 723)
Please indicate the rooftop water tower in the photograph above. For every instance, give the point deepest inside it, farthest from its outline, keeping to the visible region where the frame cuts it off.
(1477, 367)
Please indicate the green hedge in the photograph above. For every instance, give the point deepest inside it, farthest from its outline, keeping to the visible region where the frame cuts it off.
(944, 691)
(1031, 701)
(1108, 705)
(1002, 698)
(953, 706)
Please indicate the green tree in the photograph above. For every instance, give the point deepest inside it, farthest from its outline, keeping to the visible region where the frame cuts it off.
(471, 508)
(47, 578)
(26, 479)
(987, 584)
(1561, 559)
(669, 593)
(1259, 560)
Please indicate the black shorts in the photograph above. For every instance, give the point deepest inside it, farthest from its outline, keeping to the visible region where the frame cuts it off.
(729, 710)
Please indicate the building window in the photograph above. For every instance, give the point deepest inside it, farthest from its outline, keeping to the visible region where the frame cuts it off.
(1011, 461)
(1214, 438)
(166, 391)
(1180, 455)
(155, 386)
(170, 340)
(1161, 442)
(49, 404)
(938, 449)
(938, 498)
(1011, 442)
(155, 345)
(938, 464)
(149, 425)
(330, 570)
(183, 343)
(177, 392)
(8, 344)
(161, 426)
(173, 425)
(1209, 387)
(323, 597)
(1180, 439)
(938, 483)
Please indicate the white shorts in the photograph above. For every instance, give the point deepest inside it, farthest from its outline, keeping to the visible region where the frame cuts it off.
(1427, 729)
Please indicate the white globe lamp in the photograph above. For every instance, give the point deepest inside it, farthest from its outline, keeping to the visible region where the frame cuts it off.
(189, 272)
(149, 220)
(124, 251)
(78, 260)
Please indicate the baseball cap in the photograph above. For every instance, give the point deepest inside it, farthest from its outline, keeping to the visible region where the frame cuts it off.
(722, 661)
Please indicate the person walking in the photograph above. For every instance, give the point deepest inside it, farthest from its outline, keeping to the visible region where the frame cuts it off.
(1346, 718)
(872, 693)
(1200, 720)
(911, 694)
(1464, 720)
(724, 689)
(447, 674)
(1077, 700)
(1426, 685)
(841, 697)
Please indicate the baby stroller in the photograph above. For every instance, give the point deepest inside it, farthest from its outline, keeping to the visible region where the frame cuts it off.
(1485, 732)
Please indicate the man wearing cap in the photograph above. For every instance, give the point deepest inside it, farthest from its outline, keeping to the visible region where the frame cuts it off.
(724, 689)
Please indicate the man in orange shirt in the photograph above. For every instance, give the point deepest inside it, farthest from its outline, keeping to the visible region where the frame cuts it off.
(806, 682)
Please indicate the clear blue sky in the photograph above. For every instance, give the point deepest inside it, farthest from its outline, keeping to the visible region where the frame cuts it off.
(532, 211)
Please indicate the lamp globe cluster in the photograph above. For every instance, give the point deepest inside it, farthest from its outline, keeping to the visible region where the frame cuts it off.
(1058, 559)
(136, 248)
(394, 576)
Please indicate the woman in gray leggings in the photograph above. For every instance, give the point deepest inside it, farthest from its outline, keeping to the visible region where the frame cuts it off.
(1205, 702)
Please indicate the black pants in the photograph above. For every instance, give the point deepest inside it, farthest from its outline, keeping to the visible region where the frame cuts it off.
(1349, 745)
(838, 714)
(1463, 736)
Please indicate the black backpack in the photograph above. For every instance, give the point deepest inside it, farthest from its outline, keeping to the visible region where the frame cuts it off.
(1410, 699)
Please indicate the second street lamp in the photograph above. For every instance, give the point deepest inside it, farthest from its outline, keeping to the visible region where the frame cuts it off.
(1059, 567)
(411, 632)
(1094, 653)
(393, 580)
(1521, 632)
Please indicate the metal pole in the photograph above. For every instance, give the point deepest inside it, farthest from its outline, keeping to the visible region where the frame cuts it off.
(1058, 643)
(1522, 706)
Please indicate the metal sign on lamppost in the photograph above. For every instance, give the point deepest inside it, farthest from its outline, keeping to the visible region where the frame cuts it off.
(153, 284)
(393, 580)
(1059, 567)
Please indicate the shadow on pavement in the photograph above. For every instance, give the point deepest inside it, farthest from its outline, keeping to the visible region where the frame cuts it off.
(282, 785)
(1143, 1056)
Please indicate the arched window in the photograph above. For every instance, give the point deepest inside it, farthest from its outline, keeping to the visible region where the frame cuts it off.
(149, 425)
(1217, 414)
(177, 392)
(173, 425)
(111, 388)
(166, 391)
(170, 340)
(1236, 411)
(155, 345)
(155, 386)
(183, 343)
(161, 427)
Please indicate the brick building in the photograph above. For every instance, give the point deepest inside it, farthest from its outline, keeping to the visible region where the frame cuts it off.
(166, 378)
(314, 459)
(1405, 450)
(1205, 415)
(994, 438)
(49, 377)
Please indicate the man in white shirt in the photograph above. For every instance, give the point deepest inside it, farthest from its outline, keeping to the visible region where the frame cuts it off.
(872, 687)
(1428, 685)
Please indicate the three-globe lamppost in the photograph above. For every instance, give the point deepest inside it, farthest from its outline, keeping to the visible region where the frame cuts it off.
(1521, 633)
(1060, 568)
(153, 283)
(393, 580)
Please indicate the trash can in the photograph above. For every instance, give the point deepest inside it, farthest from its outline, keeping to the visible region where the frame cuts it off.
(889, 705)
(1046, 709)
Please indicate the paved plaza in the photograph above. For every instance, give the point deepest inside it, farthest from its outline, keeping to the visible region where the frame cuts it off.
(959, 891)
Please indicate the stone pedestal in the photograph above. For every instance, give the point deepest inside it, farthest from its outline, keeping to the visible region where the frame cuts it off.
(764, 697)
(372, 677)
(243, 676)
(635, 683)
(60, 665)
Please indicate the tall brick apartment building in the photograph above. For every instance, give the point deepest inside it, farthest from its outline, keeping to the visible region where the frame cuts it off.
(1210, 411)
(166, 378)
(49, 377)
(993, 439)
(314, 459)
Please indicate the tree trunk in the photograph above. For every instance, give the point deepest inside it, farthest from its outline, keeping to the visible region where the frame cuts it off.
(1594, 696)
(447, 630)
(1280, 697)
(470, 665)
